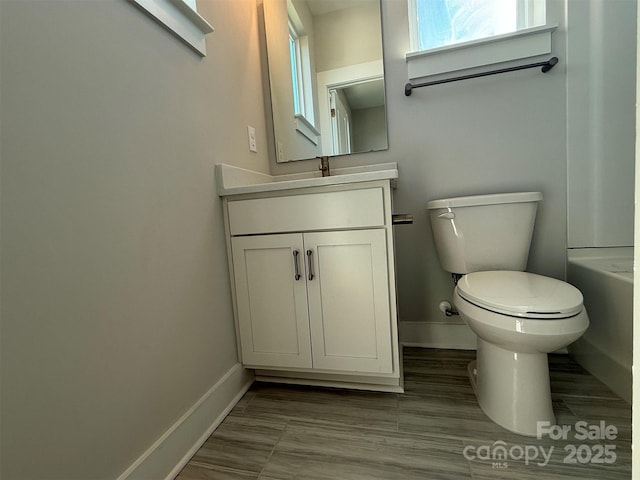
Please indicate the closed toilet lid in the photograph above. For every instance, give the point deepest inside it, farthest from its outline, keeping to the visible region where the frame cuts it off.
(521, 294)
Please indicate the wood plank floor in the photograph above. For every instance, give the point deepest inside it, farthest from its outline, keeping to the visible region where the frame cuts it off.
(433, 431)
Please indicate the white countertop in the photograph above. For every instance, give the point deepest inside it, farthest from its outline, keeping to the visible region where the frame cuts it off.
(235, 180)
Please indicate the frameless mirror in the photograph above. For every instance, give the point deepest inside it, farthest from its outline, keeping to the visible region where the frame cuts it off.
(326, 77)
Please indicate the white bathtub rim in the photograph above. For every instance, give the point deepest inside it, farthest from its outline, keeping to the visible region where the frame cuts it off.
(592, 257)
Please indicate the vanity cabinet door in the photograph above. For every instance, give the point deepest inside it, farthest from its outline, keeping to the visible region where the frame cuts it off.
(349, 300)
(272, 300)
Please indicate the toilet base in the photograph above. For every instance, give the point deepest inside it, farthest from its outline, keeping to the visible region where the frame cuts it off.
(512, 388)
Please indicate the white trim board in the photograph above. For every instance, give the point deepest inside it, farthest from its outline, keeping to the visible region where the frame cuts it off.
(437, 335)
(170, 453)
(337, 77)
(183, 20)
(517, 45)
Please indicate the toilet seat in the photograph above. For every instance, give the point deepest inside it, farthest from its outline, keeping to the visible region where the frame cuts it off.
(521, 294)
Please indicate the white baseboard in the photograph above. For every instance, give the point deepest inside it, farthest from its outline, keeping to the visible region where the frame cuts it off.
(437, 335)
(171, 452)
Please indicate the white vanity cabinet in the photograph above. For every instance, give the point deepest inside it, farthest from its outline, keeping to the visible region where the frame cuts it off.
(314, 284)
(314, 300)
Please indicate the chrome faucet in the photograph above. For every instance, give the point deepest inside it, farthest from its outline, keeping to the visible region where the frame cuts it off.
(324, 166)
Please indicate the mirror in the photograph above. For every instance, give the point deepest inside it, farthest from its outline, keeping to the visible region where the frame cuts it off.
(326, 77)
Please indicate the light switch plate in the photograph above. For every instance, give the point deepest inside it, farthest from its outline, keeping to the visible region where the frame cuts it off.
(253, 147)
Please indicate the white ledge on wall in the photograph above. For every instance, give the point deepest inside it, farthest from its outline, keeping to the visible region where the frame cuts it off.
(530, 42)
(180, 18)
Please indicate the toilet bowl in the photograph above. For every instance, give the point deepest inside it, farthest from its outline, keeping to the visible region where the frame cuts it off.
(518, 317)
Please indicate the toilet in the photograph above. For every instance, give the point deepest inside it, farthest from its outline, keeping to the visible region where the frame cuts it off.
(518, 317)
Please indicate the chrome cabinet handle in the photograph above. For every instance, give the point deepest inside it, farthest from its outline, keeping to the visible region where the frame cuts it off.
(295, 264)
(309, 253)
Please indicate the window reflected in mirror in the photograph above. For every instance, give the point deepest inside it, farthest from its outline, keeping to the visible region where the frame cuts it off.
(326, 77)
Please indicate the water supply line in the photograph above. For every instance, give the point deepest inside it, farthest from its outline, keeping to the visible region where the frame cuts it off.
(445, 306)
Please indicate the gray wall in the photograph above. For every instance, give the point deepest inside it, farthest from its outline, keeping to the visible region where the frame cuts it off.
(358, 27)
(116, 310)
(495, 134)
(369, 129)
(601, 122)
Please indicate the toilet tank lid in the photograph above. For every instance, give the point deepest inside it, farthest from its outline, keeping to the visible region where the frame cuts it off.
(521, 294)
(490, 199)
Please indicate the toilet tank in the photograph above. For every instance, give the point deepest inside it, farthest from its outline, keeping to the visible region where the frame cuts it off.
(484, 232)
